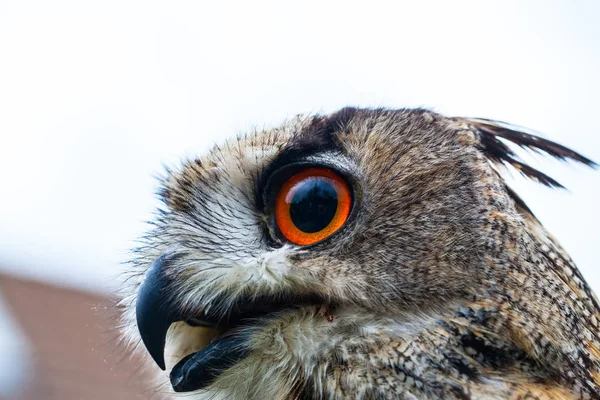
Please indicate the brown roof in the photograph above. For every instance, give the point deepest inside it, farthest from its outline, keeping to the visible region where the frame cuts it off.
(74, 344)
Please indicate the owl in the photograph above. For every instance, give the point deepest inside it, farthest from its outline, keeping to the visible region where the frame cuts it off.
(365, 254)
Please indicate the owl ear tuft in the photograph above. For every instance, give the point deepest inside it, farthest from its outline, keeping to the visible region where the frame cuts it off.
(491, 132)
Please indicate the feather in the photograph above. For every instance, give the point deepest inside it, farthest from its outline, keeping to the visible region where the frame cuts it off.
(530, 142)
(491, 132)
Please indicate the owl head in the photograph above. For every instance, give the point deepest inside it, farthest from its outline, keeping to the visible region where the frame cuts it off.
(278, 245)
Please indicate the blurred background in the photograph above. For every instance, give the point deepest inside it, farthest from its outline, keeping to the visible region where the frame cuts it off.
(96, 97)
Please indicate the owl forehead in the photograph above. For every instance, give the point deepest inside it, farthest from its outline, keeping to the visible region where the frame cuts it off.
(368, 137)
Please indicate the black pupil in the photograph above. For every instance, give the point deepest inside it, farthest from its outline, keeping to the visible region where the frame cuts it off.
(314, 205)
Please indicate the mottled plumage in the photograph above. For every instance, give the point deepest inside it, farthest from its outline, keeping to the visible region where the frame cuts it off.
(441, 284)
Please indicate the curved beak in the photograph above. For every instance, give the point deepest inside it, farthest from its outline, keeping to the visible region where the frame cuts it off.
(156, 310)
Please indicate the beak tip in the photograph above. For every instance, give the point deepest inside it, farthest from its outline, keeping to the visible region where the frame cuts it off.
(154, 313)
(156, 354)
(153, 338)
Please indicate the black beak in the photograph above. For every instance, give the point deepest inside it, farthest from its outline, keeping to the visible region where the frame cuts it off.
(155, 309)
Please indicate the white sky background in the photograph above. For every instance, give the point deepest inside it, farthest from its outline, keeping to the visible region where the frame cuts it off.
(96, 96)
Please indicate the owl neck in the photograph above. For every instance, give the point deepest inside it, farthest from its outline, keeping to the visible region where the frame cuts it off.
(544, 306)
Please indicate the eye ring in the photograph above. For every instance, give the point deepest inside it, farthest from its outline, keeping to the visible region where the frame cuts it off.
(312, 205)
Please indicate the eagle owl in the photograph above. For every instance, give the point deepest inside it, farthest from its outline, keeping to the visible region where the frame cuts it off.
(366, 254)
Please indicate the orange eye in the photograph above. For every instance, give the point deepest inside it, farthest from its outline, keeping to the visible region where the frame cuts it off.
(312, 205)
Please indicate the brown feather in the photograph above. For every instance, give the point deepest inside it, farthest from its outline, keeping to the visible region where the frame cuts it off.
(528, 141)
(491, 132)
